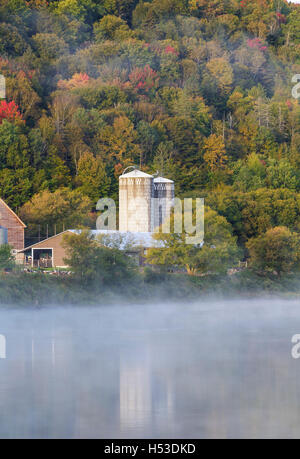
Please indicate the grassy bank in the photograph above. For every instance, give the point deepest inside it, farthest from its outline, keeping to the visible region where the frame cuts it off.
(36, 290)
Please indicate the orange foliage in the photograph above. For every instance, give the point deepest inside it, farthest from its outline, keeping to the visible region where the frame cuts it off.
(78, 80)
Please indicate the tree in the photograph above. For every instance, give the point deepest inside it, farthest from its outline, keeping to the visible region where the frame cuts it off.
(111, 28)
(215, 153)
(49, 47)
(7, 260)
(118, 143)
(83, 10)
(20, 89)
(9, 111)
(216, 255)
(221, 71)
(78, 80)
(64, 206)
(253, 213)
(144, 80)
(94, 264)
(250, 175)
(163, 161)
(277, 250)
(148, 137)
(282, 174)
(16, 186)
(11, 41)
(92, 177)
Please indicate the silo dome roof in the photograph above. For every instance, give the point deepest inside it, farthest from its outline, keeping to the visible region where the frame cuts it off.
(135, 173)
(162, 180)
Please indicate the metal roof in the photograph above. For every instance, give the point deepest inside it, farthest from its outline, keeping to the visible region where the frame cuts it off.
(113, 239)
(136, 173)
(43, 241)
(125, 240)
(162, 180)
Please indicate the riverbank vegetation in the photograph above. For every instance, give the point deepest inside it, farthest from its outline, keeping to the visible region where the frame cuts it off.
(99, 274)
(38, 289)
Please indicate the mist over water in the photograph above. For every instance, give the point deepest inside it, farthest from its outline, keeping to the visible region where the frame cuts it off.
(207, 369)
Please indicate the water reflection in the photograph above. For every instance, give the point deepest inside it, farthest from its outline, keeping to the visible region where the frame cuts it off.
(201, 370)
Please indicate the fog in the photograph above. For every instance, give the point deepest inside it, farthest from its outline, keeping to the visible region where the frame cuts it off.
(197, 370)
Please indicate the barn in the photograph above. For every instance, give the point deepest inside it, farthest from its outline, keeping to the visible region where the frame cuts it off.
(14, 225)
(49, 253)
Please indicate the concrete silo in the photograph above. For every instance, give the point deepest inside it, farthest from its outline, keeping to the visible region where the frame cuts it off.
(164, 194)
(136, 190)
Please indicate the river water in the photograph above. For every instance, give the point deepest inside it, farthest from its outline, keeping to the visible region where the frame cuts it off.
(197, 370)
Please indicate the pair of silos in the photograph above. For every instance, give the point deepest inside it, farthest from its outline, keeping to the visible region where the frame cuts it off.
(145, 201)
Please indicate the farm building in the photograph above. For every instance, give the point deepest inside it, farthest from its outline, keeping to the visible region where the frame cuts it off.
(14, 225)
(145, 203)
(50, 253)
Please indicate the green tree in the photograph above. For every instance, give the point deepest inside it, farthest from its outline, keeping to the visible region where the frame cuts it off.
(94, 264)
(277, 250)
(49, 46)
(111, 28)
(7, 260)
(216, 255)
(92, 177)
(282, 174)
(70, 207)
(251, 175)
(83, 10)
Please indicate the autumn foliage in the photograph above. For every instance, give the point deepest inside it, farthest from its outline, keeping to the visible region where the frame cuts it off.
(9, 111)
(77, 81)
(256, 43)
(143, 80)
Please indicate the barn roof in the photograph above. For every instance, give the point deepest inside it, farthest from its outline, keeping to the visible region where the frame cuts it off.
(43, 241)
(13, 213)
(111, 238)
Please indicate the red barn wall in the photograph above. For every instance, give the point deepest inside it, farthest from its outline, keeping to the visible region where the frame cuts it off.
(15, 228)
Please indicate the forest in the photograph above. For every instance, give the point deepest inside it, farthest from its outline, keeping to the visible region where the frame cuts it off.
(200, 90)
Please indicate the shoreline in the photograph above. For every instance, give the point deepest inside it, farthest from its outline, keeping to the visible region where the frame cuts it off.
(39, 291)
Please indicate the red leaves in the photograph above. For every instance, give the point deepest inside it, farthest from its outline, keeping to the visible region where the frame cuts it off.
(256, 43)
(9, 111)
(170, 50)
(281, 18)
(143, 79)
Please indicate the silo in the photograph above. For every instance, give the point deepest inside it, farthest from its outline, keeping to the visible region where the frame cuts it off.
(164, 194)
(135, 201)
(3, 235)
(2, 87)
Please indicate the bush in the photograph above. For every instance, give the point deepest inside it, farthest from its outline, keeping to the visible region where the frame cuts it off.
(277, 250)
